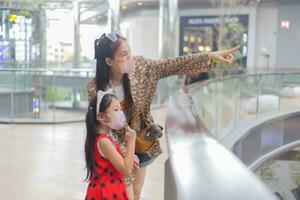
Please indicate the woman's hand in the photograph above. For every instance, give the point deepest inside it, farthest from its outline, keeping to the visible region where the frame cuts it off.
(136, 165)
(225, 56)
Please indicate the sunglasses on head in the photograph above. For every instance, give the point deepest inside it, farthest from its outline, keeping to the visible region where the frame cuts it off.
(112, 36)
(99, 43)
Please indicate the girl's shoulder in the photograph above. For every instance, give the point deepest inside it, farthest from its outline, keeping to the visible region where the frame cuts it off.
(114, 141)
(107, 136)
(102, 136)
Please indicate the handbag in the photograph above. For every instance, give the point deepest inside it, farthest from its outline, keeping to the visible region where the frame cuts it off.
(148, 134)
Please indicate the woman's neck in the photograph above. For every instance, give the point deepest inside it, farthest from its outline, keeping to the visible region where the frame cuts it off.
(116, 78)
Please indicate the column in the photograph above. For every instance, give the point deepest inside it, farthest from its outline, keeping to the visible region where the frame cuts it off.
(113, 17)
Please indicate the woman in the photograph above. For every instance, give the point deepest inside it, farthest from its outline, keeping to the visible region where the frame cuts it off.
(134, 80)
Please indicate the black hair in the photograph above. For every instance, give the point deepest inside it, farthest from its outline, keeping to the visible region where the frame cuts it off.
(91, 130)
(106, 48)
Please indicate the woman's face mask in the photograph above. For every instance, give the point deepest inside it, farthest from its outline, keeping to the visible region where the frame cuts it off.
(123, 60)
(126, 67)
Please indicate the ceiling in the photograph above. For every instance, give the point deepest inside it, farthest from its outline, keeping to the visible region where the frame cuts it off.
(97, 13)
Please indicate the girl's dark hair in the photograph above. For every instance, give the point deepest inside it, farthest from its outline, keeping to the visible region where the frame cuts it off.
(91, 130)
(106, 48)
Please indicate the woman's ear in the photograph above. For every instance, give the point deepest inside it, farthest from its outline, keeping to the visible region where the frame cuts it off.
(108, 61)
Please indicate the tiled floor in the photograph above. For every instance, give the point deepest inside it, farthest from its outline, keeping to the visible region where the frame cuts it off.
(47, 162)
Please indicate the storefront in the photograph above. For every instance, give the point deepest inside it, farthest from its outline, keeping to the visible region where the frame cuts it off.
(202, 33)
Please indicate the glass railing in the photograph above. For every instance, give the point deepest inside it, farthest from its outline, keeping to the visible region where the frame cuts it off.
(226, 103)
(45, 95)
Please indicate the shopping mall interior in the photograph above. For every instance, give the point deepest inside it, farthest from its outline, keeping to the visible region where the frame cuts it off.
(229, 133)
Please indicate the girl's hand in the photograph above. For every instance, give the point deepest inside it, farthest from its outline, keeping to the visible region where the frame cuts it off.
(225, 56)
(130, 134)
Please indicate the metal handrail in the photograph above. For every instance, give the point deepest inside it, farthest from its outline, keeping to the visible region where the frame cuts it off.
(198, 166)
(280, 150)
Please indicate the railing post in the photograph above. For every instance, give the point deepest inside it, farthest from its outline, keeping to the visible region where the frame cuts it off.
(258, 94)
(12, 96)
(54, 97)
(219, 104)
(237, 102)
(280, 87)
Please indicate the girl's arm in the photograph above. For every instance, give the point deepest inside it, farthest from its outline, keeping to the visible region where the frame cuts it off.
(124, 165)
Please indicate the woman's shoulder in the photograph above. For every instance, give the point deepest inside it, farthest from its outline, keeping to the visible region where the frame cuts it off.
(91, 88)
(141, 64)
(92, 82)
(139, 60)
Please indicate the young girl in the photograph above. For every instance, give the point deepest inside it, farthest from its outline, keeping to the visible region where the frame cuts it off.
(104, 162)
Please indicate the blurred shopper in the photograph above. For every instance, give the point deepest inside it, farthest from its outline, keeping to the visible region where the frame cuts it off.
(195, 77)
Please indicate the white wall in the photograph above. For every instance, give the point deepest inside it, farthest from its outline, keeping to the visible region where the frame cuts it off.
(88, 34)
(266, 30)
(288, 40)
(142, 31)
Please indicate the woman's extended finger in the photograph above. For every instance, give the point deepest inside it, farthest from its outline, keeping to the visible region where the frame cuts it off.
(233, 49)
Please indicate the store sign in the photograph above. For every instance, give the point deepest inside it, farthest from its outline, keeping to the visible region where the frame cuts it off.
(212, 20)
(285, 24)
(201, 33)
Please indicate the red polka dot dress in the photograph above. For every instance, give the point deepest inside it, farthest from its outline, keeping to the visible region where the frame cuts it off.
(106, 181)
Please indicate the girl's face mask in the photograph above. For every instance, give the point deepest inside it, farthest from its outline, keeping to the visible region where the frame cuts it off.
(117, 120)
